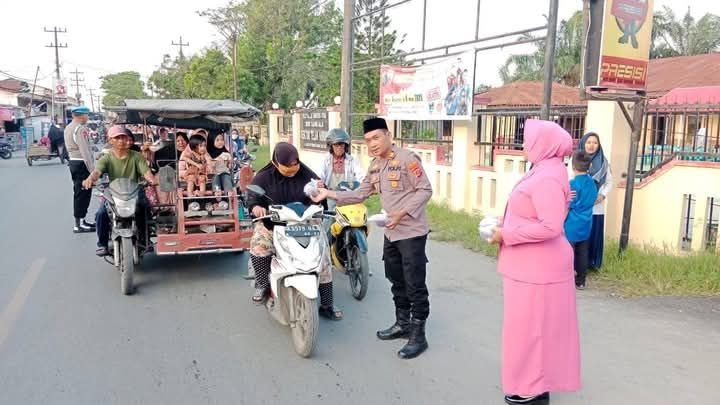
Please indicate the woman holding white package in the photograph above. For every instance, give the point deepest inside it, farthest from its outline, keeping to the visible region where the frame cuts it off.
(284, 179)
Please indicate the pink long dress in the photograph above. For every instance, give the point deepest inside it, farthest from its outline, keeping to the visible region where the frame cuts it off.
(540, 344)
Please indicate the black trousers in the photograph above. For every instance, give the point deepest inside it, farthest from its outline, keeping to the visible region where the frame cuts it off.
(81, 198)
(405, 268)
(582, 260)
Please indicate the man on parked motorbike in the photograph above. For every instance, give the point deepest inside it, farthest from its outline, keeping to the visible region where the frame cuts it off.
(398, 177)
(120, 163)
(339, 166)
(283, 180)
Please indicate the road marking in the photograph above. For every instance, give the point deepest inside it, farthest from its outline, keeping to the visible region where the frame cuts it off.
(16, 304)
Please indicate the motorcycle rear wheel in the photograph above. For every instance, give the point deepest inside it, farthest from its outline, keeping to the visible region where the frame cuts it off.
(6, 154)
(358, 272)
(307, 320)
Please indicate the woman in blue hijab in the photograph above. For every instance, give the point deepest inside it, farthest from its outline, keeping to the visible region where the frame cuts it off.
(600, 172)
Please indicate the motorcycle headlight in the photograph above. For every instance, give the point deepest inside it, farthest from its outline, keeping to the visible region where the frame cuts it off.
(125, 209)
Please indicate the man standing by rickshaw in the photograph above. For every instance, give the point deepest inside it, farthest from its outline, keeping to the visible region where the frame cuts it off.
(398, 176)
(82, 163)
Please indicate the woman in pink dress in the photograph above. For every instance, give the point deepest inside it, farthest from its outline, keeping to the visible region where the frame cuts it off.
(540, 344)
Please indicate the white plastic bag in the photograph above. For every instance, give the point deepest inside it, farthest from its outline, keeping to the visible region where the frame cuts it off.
(311, 189)
(486, 227)
(379, 219)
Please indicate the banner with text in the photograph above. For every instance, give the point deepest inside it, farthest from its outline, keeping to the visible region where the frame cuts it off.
(314, 129)
(626, 42)
(436, 91)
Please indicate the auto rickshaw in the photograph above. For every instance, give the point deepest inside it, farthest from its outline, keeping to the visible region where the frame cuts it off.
(181, 224)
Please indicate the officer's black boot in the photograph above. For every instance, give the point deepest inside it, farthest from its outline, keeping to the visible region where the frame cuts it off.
(417, 343)
(400, 329)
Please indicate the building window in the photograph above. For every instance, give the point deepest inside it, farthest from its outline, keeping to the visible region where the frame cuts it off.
(713, 220)
(688, 218)
(435, 133)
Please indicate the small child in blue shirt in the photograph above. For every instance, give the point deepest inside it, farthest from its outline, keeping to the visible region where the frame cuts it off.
(579, 220)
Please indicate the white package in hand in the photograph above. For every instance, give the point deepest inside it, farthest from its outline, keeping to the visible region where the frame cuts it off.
(311, 189)
(486, 227)
(378, 219)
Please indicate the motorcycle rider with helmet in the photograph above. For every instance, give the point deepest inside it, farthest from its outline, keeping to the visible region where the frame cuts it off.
(339, 165)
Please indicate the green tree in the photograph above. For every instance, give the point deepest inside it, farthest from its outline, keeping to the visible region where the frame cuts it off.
(683, 37)
(373, 39)
(209, 76)
(168, 80)
(121, 86)
(283, 51)
(568, 50)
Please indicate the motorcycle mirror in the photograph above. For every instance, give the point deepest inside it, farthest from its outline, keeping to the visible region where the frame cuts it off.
(256, 189)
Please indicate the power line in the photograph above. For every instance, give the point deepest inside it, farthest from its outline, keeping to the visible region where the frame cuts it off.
(180, 45)
(57, 46)
(77, 80)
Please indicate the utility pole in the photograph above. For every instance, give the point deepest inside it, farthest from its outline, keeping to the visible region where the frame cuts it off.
(346, 76)
(77, 80)
(549, 60)
(57, 46)
(180, 46)
(92, 99)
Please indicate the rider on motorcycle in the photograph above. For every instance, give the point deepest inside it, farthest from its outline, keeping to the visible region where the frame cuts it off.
(339, 166)
(283, 180)
(121, 162)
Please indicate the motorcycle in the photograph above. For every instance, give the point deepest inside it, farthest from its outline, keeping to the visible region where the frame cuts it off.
(121, 199)
(348, 244)
(300, 249)
(6, 149)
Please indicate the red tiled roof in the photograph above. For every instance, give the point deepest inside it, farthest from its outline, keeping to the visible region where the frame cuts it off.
(681, 72)
(690, 95)
(528, 93)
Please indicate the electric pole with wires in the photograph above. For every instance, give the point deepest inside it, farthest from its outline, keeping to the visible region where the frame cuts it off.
(57, 46)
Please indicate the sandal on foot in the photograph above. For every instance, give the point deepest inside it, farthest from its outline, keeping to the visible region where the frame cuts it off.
(331, 313)
(260, 296)
(102, 251)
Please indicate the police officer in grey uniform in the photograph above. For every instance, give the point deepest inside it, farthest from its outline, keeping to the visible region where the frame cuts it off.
(398, 176)
(81, 163)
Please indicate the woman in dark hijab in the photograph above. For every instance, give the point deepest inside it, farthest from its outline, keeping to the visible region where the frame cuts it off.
(283, 179)
(600, 172)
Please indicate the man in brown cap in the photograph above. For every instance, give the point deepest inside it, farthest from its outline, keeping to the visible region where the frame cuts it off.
(398, 176)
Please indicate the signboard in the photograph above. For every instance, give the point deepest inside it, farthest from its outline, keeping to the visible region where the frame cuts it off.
(436, 91)
(626, 42)
(60, 90)
(314, 129)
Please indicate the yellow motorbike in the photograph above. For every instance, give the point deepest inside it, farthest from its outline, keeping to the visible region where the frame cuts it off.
(349, 246)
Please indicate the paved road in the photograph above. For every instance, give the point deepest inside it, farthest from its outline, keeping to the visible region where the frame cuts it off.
(190, 336)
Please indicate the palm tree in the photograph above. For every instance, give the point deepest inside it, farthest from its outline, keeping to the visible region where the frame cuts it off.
(568, 49)
(674, 37)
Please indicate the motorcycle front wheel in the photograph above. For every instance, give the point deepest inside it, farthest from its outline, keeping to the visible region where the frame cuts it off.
(127, 266)
(6, 154)
(307, 320)
(358, 271)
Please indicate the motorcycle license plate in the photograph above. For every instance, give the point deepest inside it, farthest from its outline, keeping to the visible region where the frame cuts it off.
(302, 230)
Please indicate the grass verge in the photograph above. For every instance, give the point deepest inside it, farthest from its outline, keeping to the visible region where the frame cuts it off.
(639, 272)
(449, 226)
(652, 272)
(262, 156)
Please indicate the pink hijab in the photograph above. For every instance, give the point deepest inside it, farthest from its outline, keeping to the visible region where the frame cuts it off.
(546, 140)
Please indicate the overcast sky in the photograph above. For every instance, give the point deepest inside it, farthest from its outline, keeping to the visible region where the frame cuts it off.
(112, 36)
